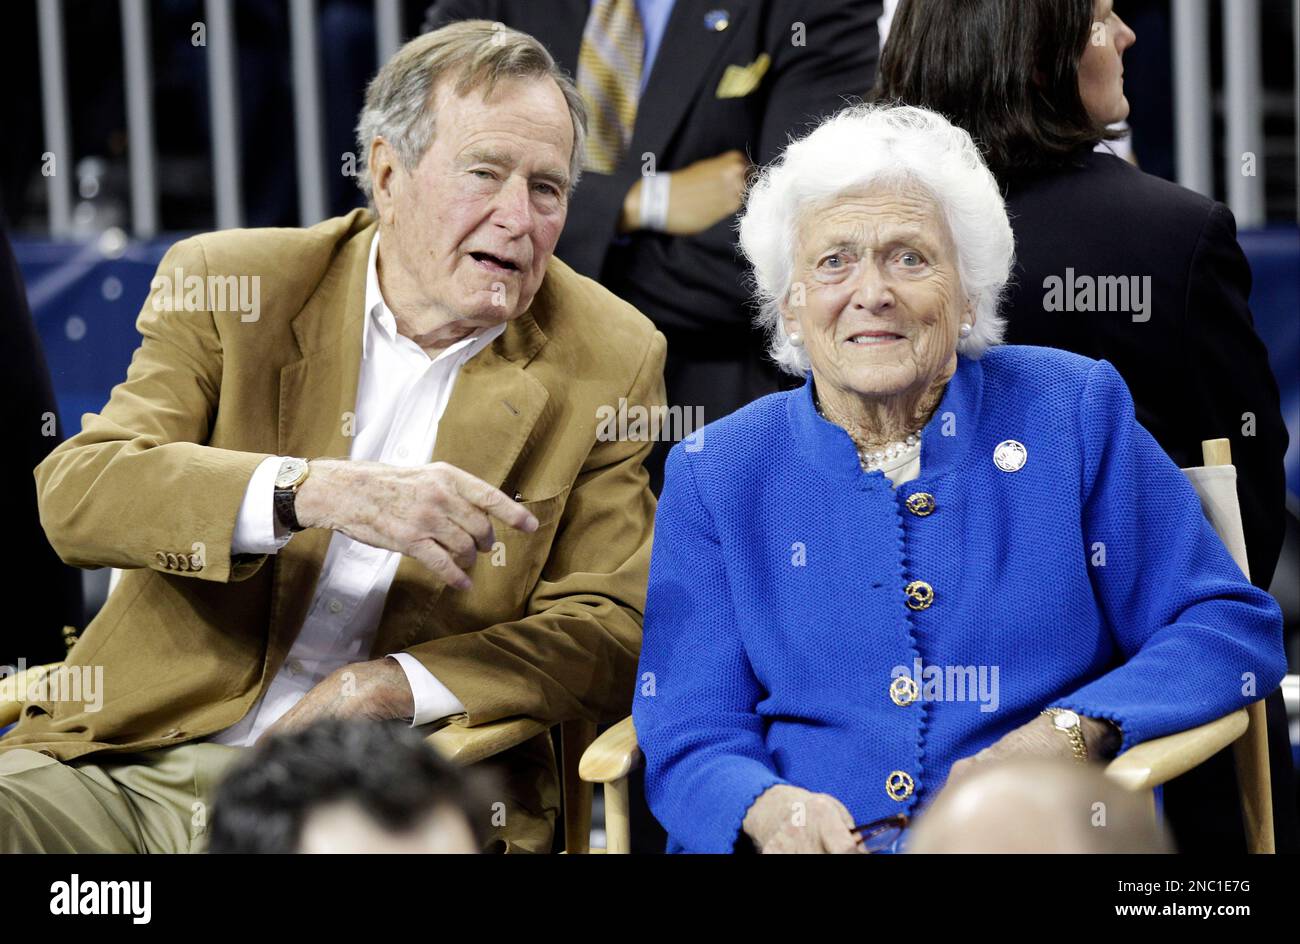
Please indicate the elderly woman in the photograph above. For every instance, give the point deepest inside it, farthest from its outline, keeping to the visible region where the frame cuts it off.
(1036, 82)
(936, 552)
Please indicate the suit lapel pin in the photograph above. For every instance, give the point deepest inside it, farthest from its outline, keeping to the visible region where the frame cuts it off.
(715, 21)
(1010, 456)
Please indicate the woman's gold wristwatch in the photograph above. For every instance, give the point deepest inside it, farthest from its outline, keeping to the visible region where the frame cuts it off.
(1067, 722)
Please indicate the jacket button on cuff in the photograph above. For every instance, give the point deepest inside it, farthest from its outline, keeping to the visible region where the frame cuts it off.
(903, 691)
(172, 562)
(920, 504)
(899, 785)
(919, 595)
(161, 558)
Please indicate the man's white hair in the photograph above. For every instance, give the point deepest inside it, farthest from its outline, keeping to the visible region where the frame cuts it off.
(471, 55)
(850, 151)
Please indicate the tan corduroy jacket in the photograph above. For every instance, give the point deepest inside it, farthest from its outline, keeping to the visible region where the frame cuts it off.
(192, 635)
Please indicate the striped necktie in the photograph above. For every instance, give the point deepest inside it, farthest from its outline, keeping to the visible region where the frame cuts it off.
(609, 78)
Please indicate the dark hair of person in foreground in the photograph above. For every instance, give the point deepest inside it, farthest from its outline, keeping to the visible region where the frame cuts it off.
(384, 770)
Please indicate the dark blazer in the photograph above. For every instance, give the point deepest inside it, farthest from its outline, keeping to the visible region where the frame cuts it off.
(50, 589)
(1194, 369)
(694, 287)
(1197, 365)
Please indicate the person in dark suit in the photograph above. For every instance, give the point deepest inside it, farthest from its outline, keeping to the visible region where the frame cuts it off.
(1117, 264)
(692, 91)
(50, 589)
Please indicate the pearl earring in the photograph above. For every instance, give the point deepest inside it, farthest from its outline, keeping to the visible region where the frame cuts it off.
(796, 339)
(964, 330)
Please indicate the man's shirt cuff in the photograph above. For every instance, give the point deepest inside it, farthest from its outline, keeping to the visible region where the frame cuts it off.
(256, 530)
(433, 700)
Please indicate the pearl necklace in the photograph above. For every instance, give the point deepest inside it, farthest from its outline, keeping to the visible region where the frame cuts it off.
(873, 460)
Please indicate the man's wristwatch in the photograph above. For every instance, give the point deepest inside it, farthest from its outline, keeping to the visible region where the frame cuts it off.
(293, 472)
(1067, 722)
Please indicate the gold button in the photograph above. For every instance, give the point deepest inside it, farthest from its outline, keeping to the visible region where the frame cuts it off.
(161, 558)
(899, 785)
(919, 595)
(920, 504)
(903, 691)
(172, 562)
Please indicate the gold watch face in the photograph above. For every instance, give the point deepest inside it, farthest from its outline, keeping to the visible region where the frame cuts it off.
(1066, 720)
(292, 472)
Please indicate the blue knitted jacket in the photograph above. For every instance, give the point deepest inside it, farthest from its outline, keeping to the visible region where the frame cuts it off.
(776, 620)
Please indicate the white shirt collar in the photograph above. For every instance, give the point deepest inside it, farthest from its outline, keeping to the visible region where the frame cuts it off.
(380, 318)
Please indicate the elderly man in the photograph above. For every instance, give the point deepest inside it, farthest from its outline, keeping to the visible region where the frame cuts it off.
(418, 393)
(683, 94)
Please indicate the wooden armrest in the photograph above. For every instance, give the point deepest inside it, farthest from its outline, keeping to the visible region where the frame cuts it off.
(612, 756)
(13, 690)
(1152, 763)
(464, 745)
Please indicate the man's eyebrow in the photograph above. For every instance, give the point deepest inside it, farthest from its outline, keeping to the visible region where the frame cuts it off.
(499, 158)
(557, 177)
(488, 156)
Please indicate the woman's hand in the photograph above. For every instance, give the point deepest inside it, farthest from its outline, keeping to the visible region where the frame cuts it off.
(1038, 738)
(790, 819)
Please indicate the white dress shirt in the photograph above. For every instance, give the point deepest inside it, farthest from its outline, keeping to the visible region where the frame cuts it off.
(401, 395)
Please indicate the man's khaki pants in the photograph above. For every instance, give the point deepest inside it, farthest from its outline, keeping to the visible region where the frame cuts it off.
(153, 801)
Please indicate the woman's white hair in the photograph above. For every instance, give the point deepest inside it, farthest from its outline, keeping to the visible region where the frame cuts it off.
(860, 146)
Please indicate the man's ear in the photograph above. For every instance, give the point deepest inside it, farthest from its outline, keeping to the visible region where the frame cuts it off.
(385, 178)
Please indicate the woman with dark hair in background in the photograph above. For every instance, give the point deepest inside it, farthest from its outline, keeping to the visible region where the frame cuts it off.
(1117, 264)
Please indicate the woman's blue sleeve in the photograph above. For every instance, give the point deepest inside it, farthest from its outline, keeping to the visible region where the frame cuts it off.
(694, 708)
(1197, 639)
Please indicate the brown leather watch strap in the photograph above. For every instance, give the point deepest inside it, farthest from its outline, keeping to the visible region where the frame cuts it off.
(284, 509)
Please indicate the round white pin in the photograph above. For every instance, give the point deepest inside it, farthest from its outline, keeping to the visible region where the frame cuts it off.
(717, 20)
(1010, 456)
